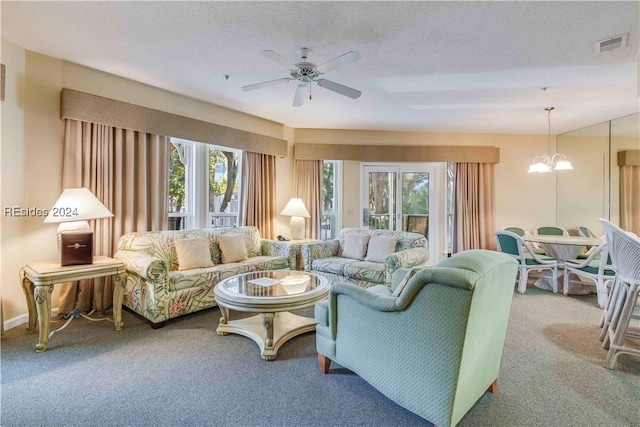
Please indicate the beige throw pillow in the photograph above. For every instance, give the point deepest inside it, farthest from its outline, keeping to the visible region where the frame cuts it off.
(380, 247)
(398, 290)
(193, 253)
(232, 248)
(355, 246)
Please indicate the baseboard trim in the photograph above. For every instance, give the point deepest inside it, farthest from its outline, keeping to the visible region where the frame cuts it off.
(21, 319)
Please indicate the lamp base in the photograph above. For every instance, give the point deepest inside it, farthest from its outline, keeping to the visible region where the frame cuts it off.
(75, 243)
(76, 248)
(296, 226)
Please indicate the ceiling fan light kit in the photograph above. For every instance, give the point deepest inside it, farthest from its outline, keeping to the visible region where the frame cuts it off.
(306, 72)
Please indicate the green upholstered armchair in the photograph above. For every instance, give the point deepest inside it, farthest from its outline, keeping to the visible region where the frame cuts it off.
(436, 347)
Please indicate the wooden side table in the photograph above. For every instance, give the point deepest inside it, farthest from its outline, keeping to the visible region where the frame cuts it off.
(38, 280)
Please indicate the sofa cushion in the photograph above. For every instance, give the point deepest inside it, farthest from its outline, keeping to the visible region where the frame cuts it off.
(355, 246)
(193, 253)
(333, 264)
(380, 247)
(363, 270)
(233, 248)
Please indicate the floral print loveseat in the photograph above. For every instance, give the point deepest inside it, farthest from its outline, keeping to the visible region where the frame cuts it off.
(327, 259)
(158, 290)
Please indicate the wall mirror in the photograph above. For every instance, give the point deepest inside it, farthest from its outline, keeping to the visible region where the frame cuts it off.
(592, 189)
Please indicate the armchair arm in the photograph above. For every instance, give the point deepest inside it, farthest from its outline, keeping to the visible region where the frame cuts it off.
(280, 249)
(404, 259)
(437, 276)
(318, 250)
(146, 266)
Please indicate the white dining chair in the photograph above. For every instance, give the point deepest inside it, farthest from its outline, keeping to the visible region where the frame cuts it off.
(596, 268)
(513, 245)
(625, 256)
(551, 230)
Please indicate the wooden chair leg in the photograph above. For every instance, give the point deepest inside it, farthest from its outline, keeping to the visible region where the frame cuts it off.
(493, 387)
(323, 363)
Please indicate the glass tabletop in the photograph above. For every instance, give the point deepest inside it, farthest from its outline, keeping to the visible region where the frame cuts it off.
(270, 284)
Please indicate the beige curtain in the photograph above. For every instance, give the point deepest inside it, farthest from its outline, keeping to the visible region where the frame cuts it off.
(308, 187)
(259, 201)
(126, 170)
(474, 206)
(630, 198)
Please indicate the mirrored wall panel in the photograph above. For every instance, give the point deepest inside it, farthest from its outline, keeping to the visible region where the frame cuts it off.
(592, 189)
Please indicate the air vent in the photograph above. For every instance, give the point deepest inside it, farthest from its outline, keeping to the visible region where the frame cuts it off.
(614, 43)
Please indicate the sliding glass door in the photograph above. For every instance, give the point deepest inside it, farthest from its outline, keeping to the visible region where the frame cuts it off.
(401, 197)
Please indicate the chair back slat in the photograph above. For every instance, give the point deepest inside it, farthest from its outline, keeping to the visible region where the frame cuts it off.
(624, 249)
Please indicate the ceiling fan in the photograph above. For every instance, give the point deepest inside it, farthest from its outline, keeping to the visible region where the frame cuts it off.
(306, 72)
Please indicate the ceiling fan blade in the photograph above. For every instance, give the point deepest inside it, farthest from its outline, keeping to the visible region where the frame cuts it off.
(298, 99)
(341, 89)
(340, 61)
(279, 59)
(264, 84)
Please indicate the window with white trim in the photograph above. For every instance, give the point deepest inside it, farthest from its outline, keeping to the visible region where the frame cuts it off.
(204, 185)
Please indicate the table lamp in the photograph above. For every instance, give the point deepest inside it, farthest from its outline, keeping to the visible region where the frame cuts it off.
(298, 212)
(72, 210)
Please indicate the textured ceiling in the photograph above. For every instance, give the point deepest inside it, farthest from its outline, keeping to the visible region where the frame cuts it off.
(436, 66)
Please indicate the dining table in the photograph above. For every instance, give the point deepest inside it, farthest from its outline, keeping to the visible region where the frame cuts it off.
(562, 248)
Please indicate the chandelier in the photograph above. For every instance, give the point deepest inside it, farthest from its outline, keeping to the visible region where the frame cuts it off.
(547, 163)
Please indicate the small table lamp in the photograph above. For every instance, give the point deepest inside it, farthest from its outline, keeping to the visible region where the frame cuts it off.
(298, 212)
(72, 210)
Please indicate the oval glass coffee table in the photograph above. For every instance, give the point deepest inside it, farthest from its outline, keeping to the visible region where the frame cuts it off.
(273, 294)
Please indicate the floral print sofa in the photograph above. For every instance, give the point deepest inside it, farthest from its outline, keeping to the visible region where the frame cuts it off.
(158, 290)
(328, 258)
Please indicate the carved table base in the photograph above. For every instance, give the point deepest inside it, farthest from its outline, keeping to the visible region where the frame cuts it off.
(268, 330)
(38, 281)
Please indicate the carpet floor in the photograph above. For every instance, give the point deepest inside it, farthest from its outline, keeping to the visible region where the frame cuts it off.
(185, 375)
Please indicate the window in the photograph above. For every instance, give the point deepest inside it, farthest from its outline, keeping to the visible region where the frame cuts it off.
(203, 185)
(449, 203)
(407, 197)
(331, 184)
(179, 184)
(224, 202)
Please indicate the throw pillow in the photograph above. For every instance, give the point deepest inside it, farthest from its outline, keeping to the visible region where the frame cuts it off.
(398, 290)
(232, 248)
(380, 247)
(355, 246)
(193, 253)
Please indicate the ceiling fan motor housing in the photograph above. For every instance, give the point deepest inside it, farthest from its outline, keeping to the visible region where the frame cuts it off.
(306, 72)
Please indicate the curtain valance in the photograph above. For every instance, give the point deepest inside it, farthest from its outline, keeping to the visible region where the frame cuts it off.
(396, 153)
(97, 109)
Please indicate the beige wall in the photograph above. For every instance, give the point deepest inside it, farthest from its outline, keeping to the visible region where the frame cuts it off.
(32, 135)
(521, 199)
(31, 157)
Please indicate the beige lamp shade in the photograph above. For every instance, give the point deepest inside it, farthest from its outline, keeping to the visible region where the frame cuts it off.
(298, 212)
(77, 204)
